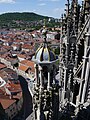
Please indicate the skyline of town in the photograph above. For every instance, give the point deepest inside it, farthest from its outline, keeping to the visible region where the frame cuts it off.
(51, 8)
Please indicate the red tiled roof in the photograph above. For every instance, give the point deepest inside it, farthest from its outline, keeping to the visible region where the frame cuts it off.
(28, 63)
(26, 46)
(2, 66)
(6, 102)
(13, 87)
(23, 67)
(7, 47)
(21, 56)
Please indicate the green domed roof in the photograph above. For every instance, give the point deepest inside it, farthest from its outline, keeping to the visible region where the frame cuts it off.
(44, 54)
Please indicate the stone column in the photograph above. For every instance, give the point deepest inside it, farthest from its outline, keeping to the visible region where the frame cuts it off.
(84, 64)
(41, 83)
(80, 91)
(48, 79)
(76, 59)
(86, 82)
(77, 104)
(84, 61)
(83, 71)
(65, 75)
(64, 89)
(60, 74)
(36, 73)
(38, 112)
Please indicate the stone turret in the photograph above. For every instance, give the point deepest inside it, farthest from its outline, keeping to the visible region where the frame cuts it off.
(46, 88)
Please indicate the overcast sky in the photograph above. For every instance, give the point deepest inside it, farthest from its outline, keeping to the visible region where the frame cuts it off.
(51, 8)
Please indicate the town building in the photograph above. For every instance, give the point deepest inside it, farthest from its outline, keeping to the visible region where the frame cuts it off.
(11, 99)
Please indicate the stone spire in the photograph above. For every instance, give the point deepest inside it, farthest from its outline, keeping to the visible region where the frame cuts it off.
(46, 95)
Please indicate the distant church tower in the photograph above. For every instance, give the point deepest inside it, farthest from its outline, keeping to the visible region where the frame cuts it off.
(46, 88)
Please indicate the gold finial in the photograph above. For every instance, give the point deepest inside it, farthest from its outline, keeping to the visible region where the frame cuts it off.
(44, 31)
